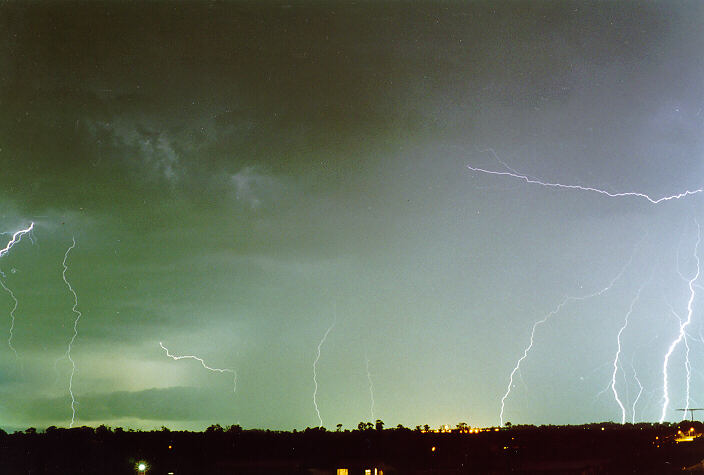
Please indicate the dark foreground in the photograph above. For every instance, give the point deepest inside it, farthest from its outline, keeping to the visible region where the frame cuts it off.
(593, 448)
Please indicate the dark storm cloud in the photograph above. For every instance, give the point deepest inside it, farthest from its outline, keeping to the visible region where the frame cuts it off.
(235, 172)
(105, 102)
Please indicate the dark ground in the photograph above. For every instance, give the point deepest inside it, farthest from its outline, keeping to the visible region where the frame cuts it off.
(593, 448)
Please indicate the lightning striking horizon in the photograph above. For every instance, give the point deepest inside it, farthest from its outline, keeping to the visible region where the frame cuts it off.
(315, 374)
(547, 317)
(12, 316)
(683, 323)
(640, 392)
(682, 333)
(78, 314)
(616, 363)
(371, 388)
(200, 360)
(688, 372)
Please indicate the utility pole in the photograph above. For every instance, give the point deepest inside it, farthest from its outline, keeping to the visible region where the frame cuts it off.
(692, 411)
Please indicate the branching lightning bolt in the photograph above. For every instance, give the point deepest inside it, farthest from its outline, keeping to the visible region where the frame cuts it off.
(315, 374)
(12, 316)
(16, 237)
(78, 314)
(640, 392)
(200, 360)
(533, 181)
(547, 317)
(681, 335)
(616, 364)
(371, 388)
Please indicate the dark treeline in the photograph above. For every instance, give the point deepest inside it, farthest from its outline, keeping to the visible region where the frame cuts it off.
(592, 448)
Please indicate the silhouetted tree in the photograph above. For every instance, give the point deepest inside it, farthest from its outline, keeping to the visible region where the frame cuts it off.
(379, 424)
(215, 428)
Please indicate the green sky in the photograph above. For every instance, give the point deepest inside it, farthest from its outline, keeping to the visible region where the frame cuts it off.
(238, 176)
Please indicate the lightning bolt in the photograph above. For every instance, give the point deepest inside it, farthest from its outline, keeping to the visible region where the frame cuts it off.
(16, 237)
(640, 392)
(12, 317)
(547, 317)
(618, 355)
(78, 314)
(681, 335)
(371, 388)
(534, 181)
(688, 371)
(315, 374)
(200, 360)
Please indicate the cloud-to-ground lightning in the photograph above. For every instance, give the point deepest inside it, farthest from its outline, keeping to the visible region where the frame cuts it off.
(681, 334)
(633, 194)
(12, 316)
(616, 362)
(200, 360)
(78, 315)
(315, 373)
(371, 389)
(547, 317)
(640, 392)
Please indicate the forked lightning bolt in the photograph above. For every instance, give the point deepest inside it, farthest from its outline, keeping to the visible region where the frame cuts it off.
(616, 363)
(200, 360)
(16, 237)
(640, 392)
(681, 335)
(547, 317)
(78, 315)
(315, 374)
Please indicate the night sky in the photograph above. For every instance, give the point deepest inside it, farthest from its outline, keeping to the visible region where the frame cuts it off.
(241, 178)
